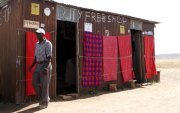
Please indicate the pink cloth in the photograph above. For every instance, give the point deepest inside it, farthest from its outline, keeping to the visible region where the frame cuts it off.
(149, 56)
(110, 54)
(125, 50)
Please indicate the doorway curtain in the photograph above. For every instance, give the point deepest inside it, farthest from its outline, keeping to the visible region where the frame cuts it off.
(31, 41)
(149, 56)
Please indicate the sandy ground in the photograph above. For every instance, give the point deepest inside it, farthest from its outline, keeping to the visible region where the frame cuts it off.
(163, 97)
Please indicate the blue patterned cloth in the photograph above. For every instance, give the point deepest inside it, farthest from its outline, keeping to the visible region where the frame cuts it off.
(92, 61)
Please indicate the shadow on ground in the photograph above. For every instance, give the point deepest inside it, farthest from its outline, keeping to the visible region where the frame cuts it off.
(6, 107)
(10, 107)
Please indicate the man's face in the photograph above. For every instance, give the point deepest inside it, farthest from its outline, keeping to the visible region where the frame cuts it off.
(39, 36)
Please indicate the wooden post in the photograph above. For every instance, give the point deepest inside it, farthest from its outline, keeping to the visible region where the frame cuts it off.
(132, 83)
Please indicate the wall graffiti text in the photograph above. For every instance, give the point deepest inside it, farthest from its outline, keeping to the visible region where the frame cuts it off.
(101, 17)
(68, 14)
(74, 15)
(4, 15)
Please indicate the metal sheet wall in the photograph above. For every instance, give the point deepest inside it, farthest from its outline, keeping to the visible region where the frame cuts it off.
(12, 33)
(12, 68)
(49, 23)
(148, 29)
(101, 21)
(8, 24)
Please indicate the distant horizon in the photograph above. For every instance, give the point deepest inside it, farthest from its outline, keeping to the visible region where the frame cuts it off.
(168, 54)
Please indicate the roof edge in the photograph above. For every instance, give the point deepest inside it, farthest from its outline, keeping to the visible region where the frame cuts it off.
(149, 21)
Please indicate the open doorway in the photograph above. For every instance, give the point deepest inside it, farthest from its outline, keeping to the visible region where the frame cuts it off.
(66, 57)
(136, 54)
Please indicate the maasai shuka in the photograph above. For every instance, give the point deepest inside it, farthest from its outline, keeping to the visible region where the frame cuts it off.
(110, 55)
(125, 51)
(92, 60)
(149, 56)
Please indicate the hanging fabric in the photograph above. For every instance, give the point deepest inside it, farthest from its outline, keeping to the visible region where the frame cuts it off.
(92, 59)
(31, 41)
(125, 51)
(110, 55)
(149, 56)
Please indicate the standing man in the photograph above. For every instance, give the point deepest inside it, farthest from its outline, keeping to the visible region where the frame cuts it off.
(42, 73)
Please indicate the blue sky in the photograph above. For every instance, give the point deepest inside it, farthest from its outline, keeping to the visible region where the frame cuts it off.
(165, 11)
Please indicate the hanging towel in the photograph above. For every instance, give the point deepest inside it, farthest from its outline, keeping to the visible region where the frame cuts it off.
(110, 55)
(30, 48)
(125, 51)
(92, 60)
(149, 56)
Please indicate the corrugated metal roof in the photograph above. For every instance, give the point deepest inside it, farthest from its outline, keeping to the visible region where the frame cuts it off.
(3, 2)
(154, 22)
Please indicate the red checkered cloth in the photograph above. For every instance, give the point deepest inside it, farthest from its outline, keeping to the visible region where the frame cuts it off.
(92, 61)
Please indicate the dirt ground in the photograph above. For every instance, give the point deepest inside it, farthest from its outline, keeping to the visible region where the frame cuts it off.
(163, 97)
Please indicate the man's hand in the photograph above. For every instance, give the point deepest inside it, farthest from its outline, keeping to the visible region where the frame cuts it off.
(30, 67)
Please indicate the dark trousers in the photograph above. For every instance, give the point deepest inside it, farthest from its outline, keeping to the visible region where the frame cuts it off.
(41, 82)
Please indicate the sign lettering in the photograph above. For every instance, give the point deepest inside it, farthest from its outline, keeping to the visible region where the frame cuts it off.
(4, 15)
(31, 24)
(71, 14)
(101, 17)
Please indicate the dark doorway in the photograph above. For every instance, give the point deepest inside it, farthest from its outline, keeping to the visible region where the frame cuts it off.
(66, 57)
(136, 40)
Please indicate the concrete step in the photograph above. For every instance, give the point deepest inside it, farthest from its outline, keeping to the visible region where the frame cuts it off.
(66, 97)
(74, 95)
